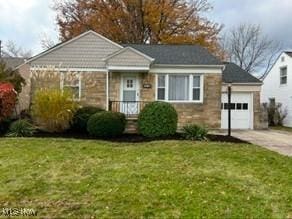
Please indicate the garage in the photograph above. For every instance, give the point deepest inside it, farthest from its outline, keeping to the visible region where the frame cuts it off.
(241, 110)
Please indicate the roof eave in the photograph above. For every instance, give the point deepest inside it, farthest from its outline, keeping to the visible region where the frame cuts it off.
(189, 66)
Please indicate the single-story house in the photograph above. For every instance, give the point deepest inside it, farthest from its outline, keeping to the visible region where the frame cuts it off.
(126, 77)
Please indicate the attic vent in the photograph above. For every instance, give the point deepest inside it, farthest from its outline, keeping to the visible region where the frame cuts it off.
(282, 59)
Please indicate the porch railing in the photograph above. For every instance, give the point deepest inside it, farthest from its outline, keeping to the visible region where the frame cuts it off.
(129, 108)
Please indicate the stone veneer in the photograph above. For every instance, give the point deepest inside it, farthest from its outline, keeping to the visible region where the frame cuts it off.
(94, 93)
(207, 113)
(93, 85)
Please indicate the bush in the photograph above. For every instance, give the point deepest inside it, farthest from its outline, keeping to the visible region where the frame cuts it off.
(21, 128)
(106, 124)
(276, 113)
(194, 132)
(53, 109)
(7, 100)
(157, 119)
(82, 116)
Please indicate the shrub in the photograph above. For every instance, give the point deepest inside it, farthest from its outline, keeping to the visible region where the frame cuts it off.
(21, 128)
(53, 109)
(194, 132)
(7, 100)
(157, 119)
(11, 76)
(82, 116)
(106, 124)
(276, 113)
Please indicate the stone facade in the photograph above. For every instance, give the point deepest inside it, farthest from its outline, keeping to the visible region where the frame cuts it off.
(24, 96)
(93, 85)
(207, 113)
(260, 116)
(93, 92)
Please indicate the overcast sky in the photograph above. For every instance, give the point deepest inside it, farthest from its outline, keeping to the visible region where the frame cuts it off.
(25, 21)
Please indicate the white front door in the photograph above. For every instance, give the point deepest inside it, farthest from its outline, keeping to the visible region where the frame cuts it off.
(241, 111)
(130, 95)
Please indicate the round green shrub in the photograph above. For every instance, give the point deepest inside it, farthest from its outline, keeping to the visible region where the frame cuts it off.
(106, 124)
(82, 116)
(21, 128)
(157, 119)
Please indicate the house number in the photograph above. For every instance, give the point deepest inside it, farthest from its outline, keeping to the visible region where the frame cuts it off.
(147, 86)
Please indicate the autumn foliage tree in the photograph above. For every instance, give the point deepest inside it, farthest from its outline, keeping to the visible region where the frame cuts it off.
(140, 21)
(7, 100)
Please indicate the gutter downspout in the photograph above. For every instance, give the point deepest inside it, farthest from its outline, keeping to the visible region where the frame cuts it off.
(107, 90)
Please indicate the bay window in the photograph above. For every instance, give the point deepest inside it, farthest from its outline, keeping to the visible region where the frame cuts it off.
(179, 87)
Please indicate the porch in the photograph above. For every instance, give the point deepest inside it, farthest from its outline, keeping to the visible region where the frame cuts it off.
(130, 108)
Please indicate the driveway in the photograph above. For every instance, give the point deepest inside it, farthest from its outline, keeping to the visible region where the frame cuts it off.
(279, 141)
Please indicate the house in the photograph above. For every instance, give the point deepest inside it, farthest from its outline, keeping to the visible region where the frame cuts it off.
(24, 70)
(277, 85)
(126, 77)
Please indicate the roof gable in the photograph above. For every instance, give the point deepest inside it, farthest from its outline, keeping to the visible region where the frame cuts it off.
(128, 57)
(84, 51)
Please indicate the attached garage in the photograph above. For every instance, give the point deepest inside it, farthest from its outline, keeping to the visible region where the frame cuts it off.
(241, 110)
(245, 98)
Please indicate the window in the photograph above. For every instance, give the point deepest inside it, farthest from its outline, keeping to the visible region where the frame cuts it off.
(72, 81)
(236, 106)
(196, 87)
(161, 87)
(283, 75)
(179, 88)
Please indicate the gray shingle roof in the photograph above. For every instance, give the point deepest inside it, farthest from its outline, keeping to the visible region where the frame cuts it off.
(177, 54)
(289, 53)
(234, 74)
(12, 62)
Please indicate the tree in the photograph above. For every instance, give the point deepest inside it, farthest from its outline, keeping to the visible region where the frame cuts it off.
(12, 50)
(7, 100)
(140, 21)
(11, 76)
(47, 42)
(248, 47)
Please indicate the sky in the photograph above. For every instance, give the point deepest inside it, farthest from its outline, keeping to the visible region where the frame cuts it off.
(26, 21)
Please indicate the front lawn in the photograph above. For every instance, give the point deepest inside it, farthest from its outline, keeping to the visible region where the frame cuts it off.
(162, 179)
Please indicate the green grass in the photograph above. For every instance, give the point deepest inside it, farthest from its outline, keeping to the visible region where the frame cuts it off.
(162, 179)
(281, 128)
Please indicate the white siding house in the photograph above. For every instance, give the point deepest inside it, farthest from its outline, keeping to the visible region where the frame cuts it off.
(277, 84)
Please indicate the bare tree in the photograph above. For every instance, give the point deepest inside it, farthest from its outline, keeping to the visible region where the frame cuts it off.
(46, 41)
(12, 50)
(248, 47)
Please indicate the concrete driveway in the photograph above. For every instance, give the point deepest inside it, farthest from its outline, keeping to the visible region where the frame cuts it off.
(279, 141)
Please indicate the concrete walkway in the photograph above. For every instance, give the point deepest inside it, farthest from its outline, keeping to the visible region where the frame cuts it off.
(279, 141)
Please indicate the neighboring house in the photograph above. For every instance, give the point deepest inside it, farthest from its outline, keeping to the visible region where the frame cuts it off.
(277, 85)
(126, 77)
(24, 71)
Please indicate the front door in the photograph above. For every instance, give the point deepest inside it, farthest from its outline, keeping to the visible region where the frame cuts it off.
(130, 95)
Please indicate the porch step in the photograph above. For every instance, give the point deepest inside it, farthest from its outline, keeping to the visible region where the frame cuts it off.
(131, 126)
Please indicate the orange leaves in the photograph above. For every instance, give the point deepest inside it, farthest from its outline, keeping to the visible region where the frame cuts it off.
(141, 21)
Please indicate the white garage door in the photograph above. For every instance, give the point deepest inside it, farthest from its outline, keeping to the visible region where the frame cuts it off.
(241, 111)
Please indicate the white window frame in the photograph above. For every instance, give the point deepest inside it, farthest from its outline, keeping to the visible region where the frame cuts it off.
(283, 76)
(63, 85)
(190, 100)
